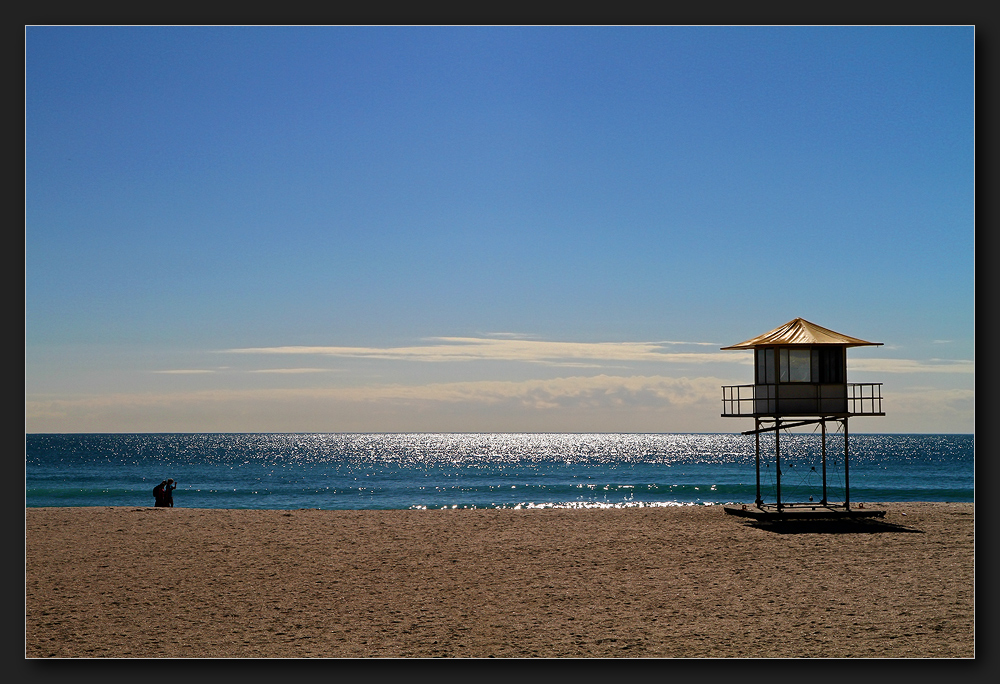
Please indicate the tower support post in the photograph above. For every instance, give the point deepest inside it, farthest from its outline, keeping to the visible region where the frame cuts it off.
(760, 502)
(847, 470)
(777, 462)
(823, 424)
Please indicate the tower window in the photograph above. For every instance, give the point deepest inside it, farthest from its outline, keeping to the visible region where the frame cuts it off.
(814, 365)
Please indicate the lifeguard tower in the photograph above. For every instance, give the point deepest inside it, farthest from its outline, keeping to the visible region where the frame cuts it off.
(800, 378)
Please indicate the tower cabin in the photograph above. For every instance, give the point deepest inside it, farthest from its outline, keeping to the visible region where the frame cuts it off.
(800, 378)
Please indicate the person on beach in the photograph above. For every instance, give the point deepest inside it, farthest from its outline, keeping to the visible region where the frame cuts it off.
(168, 492)
(158, 494)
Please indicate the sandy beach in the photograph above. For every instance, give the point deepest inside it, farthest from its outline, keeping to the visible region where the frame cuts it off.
(634, 583)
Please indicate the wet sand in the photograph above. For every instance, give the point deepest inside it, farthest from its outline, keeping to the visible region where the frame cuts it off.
(636, 583)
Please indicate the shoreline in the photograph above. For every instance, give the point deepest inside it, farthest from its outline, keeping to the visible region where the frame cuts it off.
(686, 581)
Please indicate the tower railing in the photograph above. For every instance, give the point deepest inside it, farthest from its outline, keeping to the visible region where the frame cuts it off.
(737, 400)
(862, 399)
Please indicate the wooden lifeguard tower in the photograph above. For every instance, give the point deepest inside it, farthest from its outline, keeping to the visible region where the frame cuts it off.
(800, 378)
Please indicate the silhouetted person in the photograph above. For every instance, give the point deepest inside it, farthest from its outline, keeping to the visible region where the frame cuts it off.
(168, 493)
(159, 495)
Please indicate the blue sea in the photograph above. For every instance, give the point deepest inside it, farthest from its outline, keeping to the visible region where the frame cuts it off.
(435, 471)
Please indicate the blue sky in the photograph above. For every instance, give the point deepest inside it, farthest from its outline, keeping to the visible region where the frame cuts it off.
(489, 228)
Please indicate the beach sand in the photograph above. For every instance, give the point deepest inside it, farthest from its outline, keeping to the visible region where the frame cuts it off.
(637, 583)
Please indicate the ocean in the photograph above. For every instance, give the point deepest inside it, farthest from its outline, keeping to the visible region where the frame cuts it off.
(435, 471)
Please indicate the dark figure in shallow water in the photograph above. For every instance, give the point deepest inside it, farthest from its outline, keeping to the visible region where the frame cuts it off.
(168, 493)
(159, 495)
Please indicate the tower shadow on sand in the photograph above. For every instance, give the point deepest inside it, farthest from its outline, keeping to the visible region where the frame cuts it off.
(860, 526)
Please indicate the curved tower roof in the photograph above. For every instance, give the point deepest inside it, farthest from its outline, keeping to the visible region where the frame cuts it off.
(801, 332)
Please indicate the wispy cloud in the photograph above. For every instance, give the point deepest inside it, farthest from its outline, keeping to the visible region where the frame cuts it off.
(554, 393)
(518, 348)
(183, 371)
(529, 336)
(912, 365)
(444, 349)
(567, 393)
(293, 371)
